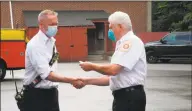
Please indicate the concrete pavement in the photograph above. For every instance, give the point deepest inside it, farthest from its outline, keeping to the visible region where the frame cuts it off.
(168, 88)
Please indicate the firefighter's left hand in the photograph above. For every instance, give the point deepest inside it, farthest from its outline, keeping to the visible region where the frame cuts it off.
(86, 66)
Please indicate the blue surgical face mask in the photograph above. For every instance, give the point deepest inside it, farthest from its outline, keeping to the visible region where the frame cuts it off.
(51, 31)
(111, 35)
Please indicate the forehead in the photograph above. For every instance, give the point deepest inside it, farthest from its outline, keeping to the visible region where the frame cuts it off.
(52, 17)
(52, 20)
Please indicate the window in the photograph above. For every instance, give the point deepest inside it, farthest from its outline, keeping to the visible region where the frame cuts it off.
(190, 35)
(183, 37)
(170, 38)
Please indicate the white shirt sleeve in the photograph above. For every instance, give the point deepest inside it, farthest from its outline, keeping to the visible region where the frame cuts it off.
(39, 61)
(128, 54)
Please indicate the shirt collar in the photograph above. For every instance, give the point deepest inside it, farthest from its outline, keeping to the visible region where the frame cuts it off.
(44, 38)
(129, 33)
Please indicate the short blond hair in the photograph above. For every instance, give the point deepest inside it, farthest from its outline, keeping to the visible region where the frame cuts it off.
(43, 14)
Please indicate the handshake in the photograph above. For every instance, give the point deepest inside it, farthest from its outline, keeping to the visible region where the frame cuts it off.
(79, 83)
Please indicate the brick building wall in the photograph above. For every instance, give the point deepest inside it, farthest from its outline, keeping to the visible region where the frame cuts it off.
(136, 10)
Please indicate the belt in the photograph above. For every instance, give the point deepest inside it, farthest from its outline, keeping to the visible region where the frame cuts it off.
(127, 89)
(28, 87)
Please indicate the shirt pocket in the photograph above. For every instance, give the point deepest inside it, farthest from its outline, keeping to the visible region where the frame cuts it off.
(48, 56)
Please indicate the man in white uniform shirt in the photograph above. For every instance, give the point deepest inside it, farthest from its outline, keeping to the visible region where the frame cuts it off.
(128, 69)
(41, 79)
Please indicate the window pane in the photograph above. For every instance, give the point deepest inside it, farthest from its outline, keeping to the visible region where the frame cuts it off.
(182, 37)
(170, 38)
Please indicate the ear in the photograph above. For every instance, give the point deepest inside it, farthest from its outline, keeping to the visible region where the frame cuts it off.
(41, 24)
(120, 26)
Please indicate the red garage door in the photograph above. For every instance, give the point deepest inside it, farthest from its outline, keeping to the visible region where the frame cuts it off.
(72, 43)
(63, 41)
(79, 50)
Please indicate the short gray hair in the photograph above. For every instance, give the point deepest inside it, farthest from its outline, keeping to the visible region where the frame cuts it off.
(43, 14)
(122, 18)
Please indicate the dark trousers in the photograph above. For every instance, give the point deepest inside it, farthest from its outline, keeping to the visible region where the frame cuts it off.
(36, 99)
(129, 99)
